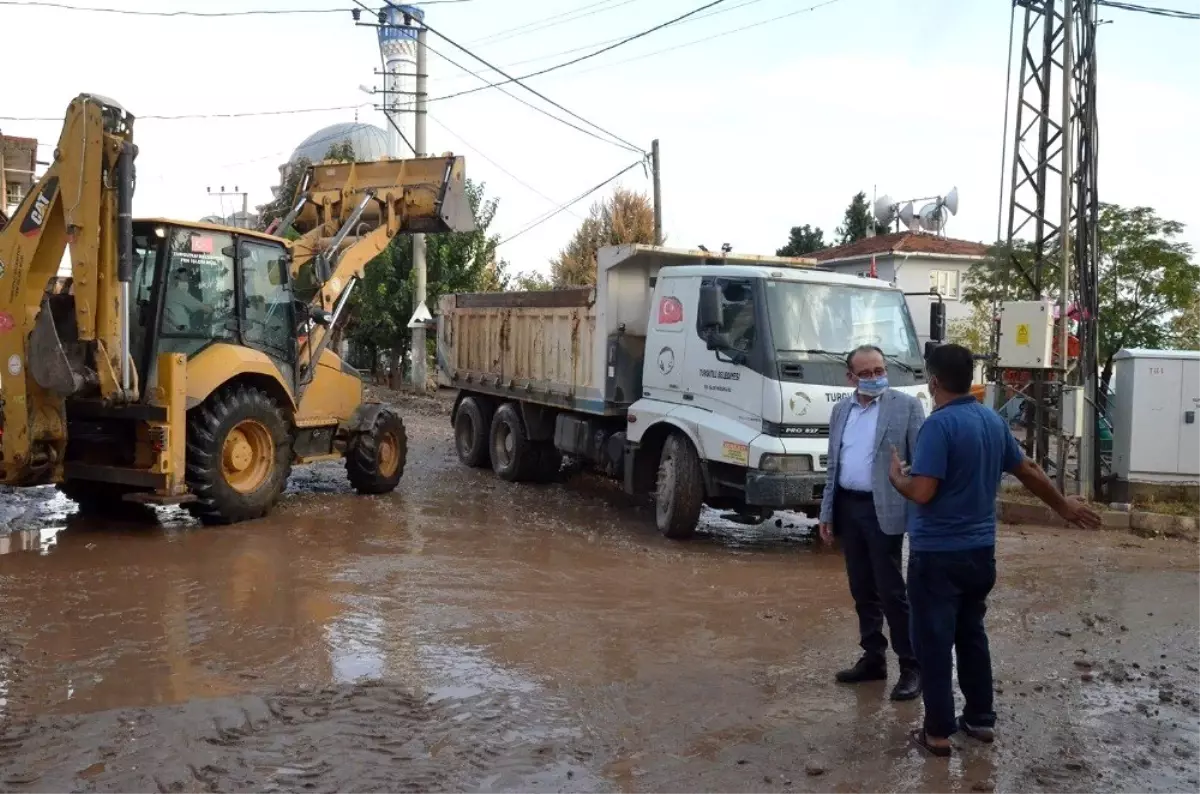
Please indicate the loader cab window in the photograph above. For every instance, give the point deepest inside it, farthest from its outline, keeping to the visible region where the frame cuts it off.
(267, 298)
(198, 290)
(145, 254)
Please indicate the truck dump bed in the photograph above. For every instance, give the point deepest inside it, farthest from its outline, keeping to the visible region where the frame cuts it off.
(532, 346)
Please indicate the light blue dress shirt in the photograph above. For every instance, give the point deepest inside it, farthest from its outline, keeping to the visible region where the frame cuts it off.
(857, 457)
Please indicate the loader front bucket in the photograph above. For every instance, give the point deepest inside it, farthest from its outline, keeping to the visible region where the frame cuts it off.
(423, 194)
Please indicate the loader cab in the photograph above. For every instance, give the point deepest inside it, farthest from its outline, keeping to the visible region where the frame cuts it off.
(195, 285)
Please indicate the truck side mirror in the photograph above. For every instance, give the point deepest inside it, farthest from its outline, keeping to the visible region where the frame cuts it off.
(937, 321)
(709, 310)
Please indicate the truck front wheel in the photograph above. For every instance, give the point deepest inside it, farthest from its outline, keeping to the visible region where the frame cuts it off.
(679, 493)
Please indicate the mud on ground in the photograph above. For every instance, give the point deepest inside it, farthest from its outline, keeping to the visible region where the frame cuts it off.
(464, 633)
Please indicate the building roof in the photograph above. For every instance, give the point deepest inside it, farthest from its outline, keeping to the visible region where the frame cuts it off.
(902, 243)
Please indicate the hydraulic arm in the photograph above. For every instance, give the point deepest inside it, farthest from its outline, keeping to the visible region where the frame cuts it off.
(54, 349)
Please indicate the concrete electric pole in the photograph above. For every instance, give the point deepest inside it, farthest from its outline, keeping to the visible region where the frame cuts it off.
(654, 168)
(244, 221)
(418, 240)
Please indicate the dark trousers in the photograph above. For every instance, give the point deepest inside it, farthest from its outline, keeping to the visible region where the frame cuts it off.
(873, 566)
(948, 592)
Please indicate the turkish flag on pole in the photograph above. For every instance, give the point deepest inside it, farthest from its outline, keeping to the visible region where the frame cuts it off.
(874, 272)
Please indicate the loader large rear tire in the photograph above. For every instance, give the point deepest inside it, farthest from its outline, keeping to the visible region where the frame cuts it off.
(239, 455)
(375, 457)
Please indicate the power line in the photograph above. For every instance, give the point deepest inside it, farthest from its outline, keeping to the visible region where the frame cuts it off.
(562, 208)
(535, 92)
(708, 39)
(541, 110)
(501, 168)
(195, 116)
(185, 13)
(593, 54)
(536, 24)
(590, 45)
(1171, 13)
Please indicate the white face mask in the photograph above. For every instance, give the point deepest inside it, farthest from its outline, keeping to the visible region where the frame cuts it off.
(872, 387)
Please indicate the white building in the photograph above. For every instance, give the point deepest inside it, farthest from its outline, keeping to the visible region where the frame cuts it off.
(914, 262)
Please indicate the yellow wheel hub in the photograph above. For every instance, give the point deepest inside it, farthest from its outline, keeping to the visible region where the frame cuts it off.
(389, 454)
(247, 456)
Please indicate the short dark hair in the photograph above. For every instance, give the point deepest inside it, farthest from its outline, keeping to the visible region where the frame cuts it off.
(861, 349)
(953, 366)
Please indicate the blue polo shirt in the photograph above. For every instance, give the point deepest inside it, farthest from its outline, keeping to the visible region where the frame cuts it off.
(967, 447)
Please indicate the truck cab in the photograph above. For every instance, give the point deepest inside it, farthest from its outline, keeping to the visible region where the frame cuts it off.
(747, 356)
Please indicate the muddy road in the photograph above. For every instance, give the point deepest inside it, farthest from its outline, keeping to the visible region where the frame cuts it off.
(463, 633)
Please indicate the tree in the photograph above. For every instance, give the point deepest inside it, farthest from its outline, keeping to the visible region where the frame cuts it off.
(1148, 282)
(857, 220)
(973, 332)
(627, 216)
(803, 240)
(1185, 327)
(458, 262)
(341, 152)
(285, 195)
(529, 282)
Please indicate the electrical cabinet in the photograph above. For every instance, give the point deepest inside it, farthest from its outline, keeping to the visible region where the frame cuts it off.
(1156, 416)
(1027, 334)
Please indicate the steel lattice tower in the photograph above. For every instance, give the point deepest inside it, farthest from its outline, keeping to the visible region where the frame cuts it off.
(1052, 200)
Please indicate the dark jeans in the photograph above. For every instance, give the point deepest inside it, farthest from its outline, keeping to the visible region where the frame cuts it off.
(948, 592)
(873, 566)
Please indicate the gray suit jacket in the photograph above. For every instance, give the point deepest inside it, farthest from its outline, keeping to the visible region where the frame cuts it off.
(900, 418)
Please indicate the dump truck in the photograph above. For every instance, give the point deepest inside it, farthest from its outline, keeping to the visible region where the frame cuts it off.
(692, 377)
(187, 363)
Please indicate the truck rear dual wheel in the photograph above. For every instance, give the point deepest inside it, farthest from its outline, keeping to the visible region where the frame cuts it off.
(375, 457)
(472, 432)
(514, 456)
(239, 455)
(679, 491)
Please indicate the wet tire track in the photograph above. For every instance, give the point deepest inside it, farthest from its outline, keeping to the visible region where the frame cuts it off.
(368, 736)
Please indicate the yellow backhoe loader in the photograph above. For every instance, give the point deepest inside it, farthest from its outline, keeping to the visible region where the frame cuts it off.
(188, 363)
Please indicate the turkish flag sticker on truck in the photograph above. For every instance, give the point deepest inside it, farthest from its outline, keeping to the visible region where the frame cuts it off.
(201, 244)
(670, 311)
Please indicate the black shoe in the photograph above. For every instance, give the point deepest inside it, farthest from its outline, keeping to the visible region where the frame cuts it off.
(865, 669)
(909, 685)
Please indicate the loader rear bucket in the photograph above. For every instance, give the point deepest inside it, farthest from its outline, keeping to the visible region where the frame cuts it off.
(424, 194)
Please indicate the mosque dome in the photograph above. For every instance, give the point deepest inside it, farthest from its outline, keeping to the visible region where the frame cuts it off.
(369, 142)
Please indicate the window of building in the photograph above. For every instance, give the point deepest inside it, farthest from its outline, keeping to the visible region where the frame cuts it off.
(945, 283)
(13, 195)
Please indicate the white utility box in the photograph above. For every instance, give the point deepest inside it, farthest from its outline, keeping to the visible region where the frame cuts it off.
(1027, 334)
(1071, 411)
(1156, 416)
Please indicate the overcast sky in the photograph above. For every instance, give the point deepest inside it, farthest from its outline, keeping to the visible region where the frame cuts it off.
(761, 129)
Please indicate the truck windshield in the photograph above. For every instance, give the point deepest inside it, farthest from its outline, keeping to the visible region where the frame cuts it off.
(838, 318)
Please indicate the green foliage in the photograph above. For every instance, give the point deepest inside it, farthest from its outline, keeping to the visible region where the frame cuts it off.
(1148, 281)
(529, 282)
(282, 204)
(857, 220)
(803, 240)
(973, 332)
(342, 152)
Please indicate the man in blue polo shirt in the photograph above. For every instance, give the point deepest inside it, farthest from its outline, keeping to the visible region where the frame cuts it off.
(962, 451)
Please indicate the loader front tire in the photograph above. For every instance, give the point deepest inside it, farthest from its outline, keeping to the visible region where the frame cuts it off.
(239, 455)
(375, 457)
(679, 492)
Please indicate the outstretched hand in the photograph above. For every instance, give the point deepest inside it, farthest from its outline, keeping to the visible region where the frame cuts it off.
(1078, 512)
(898, 468)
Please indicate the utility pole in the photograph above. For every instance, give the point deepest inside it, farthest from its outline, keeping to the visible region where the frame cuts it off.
(245, 219)
(658, 217)
(1057, 53)
(418, 240)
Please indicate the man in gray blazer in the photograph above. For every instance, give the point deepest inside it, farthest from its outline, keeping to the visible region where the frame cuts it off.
(867, 514)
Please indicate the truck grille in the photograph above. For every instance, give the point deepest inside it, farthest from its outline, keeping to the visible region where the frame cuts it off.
(823, 461)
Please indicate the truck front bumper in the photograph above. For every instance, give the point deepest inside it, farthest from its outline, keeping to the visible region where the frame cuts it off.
(784, 491)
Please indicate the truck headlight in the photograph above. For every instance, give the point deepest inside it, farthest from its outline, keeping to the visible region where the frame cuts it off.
(785, 464)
